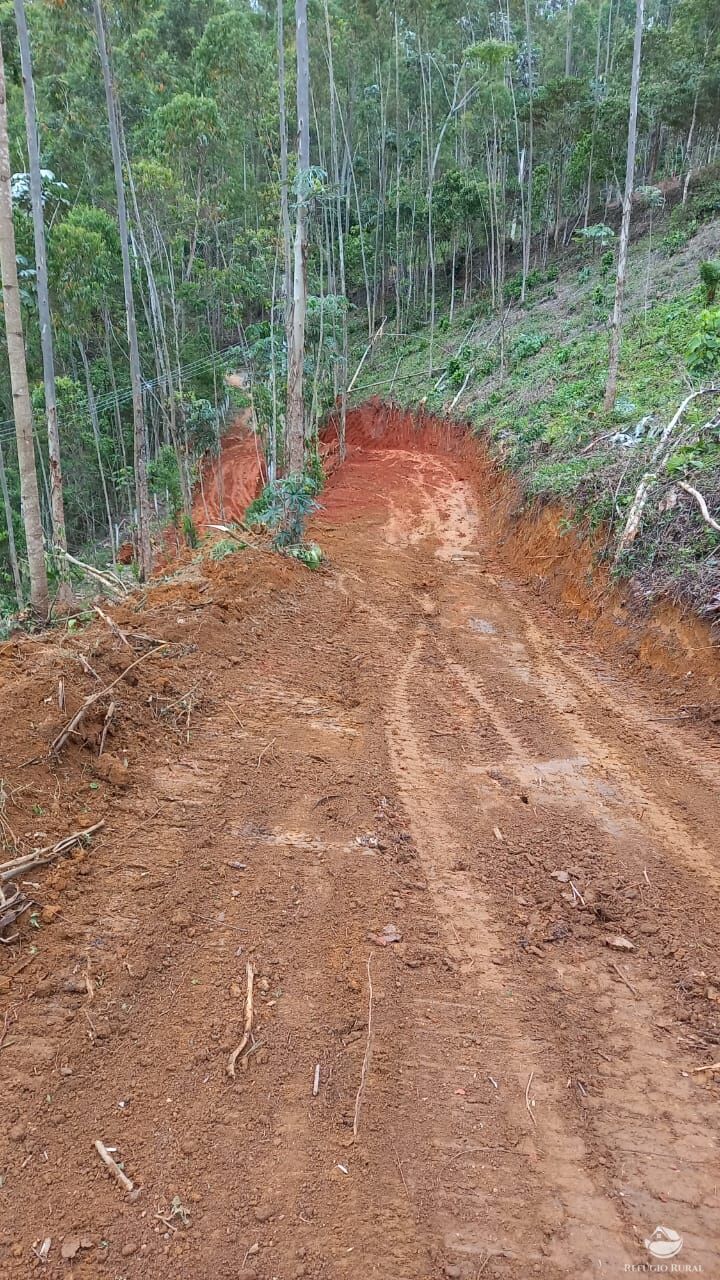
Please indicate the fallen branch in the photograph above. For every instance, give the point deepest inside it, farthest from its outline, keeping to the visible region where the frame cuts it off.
(622, 978)
(695, 493)
(126, 1183)
(374, 339)
(40, 857)
(530, 1103)
(108, 580)
(462, 389)
(106, 725)
(658, 458)
(366, 1057)
(714, 1066)
(247, 1025)
(110, 622)
(59, 742)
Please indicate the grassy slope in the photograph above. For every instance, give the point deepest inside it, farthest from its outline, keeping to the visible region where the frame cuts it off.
(545, 417)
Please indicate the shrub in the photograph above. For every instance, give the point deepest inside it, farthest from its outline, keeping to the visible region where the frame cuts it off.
(703, 349)
(710, 277)
(285, 506)
(527, 344)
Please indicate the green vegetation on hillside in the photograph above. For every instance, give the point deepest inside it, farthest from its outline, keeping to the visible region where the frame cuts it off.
(543, 413)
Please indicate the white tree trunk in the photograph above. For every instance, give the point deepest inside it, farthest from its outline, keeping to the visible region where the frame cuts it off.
(295, 425)
(22, 408)
(142, 496)
(12, 549)
(616, 319)
(57, 508)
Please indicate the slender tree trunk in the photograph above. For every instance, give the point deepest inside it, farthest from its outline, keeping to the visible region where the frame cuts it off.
(43, 293)
(142, 496)
(335, 160)
(12, 549)
(295, 395)
(22, 409)
(284, 197)
(527, 229)
(616, 319)
(95, 424)
(568, 37)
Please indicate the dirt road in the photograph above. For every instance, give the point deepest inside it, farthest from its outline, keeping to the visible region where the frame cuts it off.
(410, 740)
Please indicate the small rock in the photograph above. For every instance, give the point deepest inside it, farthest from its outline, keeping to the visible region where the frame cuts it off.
(452, 1272)
(18, 1131)
(386, 936)
(70, 1246)
(5, 983)
(50, 912)
(619, 943)
(128, 1250)
(264, 1212)
(112, 770)
(75, 986)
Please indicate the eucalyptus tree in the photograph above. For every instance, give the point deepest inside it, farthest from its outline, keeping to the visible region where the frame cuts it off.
(22, 408)
(57, 506)
(142, 496)
(295, 418)
(616, 318)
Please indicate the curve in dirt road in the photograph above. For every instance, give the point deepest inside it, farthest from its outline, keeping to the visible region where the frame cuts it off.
(475, 872)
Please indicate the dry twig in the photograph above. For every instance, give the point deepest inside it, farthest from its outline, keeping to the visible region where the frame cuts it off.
(40, 857)
(106, 725)
(126, 1183)
(622, 978)
(366, 1057)
(714, 1066)
(530, 1103)
(59, 742)
(247, 1025)
(696, 494)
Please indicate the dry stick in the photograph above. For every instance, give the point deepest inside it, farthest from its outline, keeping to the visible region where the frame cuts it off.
(106, 725)
(114, 1167)
(366, 1058)
(316, 1081)
(657, 460)
(109, 622)
(8, 870)
(86, 666)
(247, 1026)
(59, 742)
(111, 581)
(264, 752)
(528, 1103)
(622, 978)
(695, 493)
(715, 1066)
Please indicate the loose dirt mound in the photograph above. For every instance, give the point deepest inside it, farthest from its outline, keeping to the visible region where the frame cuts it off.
(408, 744)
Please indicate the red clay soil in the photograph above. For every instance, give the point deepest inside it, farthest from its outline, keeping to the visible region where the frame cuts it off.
(230, 482)
(411, 742)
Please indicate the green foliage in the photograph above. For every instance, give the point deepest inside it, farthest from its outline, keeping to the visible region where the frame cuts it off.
(703, 349)
(527, 344)
(710, 277)
(225, 547)
(285, 506)
(598, 234)
(164, 479)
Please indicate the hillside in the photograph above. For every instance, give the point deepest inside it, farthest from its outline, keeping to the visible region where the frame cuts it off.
(543, 415)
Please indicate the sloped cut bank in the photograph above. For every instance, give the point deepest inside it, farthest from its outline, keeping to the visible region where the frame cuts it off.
(560, 562)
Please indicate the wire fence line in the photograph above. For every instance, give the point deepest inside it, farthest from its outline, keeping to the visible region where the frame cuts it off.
(124, 395)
